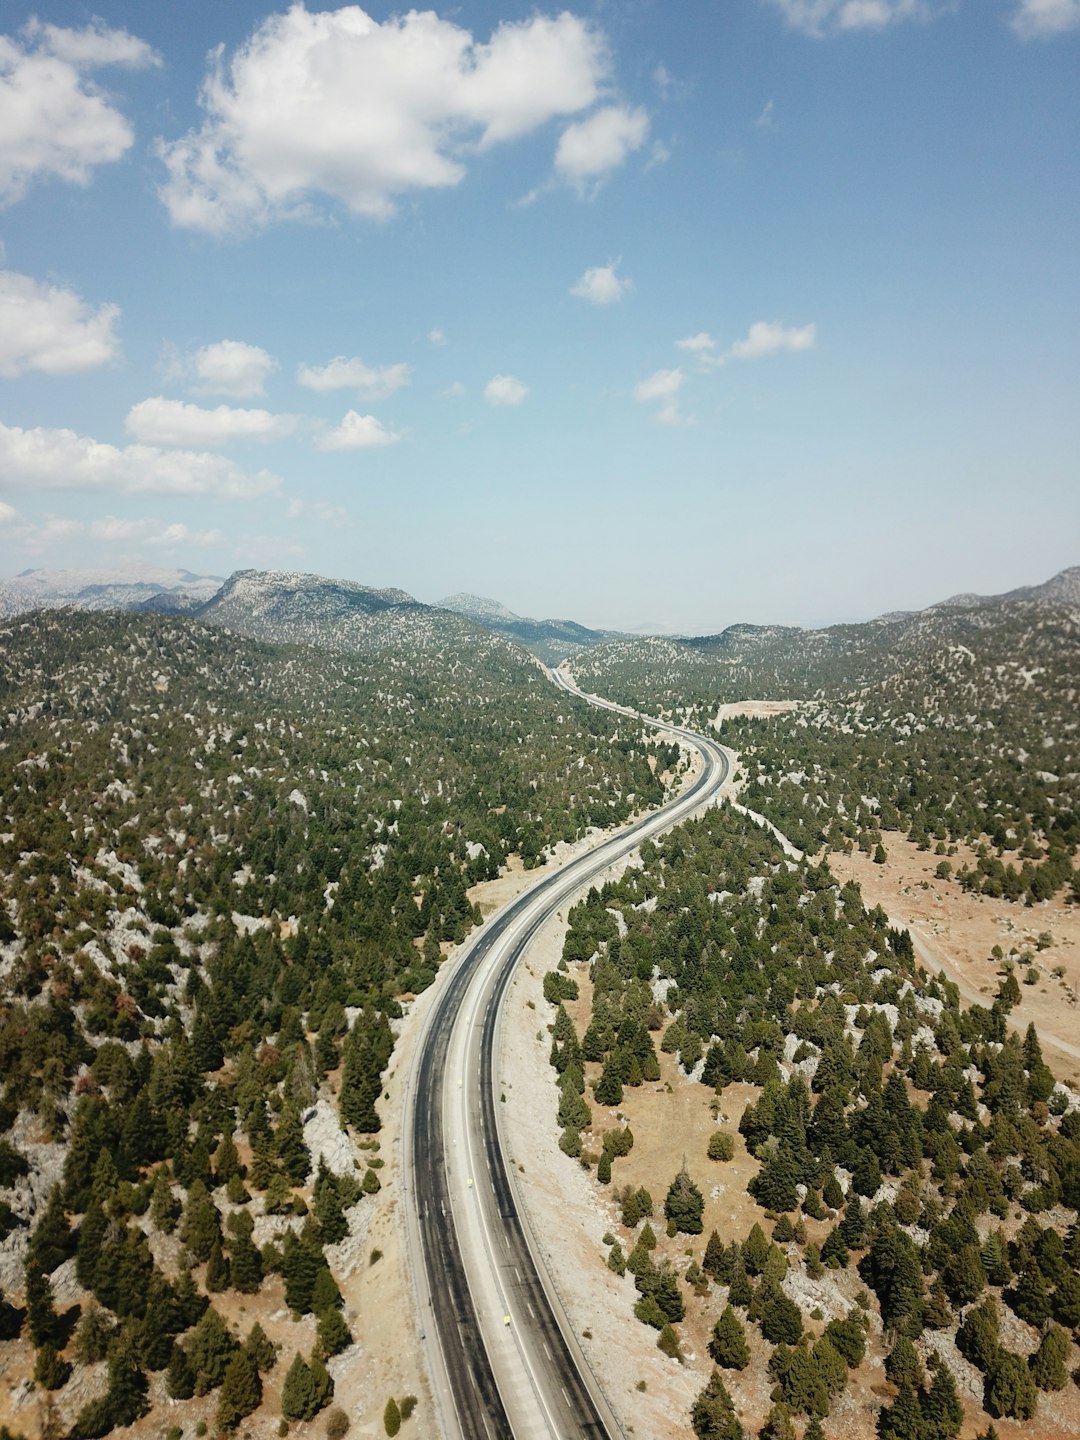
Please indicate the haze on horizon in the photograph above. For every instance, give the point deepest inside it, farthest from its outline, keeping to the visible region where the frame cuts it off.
(760, 311)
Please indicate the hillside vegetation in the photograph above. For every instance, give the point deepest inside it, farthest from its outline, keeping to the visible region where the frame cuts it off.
(223, 866)
(915, 1167)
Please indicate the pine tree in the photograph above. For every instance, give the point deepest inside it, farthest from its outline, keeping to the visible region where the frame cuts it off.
(42, 1321)
(1048, 1363)
(200, 1227)
(713, 1415)
(261, 1348)
(88, 1244)
(179, 1376)
(164, 1209)
(902, 1364)
(298, 1393)
(942, 1411)
(728, 1346)
(902, 1420)
(51, 1371)
(684, 1205)
(52, 1241)
(210, 1349)
(241, 1390)
(245, 1267)
(290, 1147)
(333, 1334)
(391, 1417)
(1010, 1391)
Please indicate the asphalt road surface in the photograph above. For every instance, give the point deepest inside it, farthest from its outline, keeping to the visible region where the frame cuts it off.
(503, 1359)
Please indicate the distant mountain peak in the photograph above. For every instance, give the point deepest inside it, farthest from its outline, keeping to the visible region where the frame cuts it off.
(477, 607)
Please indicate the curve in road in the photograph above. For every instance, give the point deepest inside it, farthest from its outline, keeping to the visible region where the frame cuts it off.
(505, 1363)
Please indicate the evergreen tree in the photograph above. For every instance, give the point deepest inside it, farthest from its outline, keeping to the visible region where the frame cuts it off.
(942, 1411)
(728, 1346)
(902, 1364)
(290, 1147)
(51, 1371)
(979, 1336)
(298, 1393)
(684, 1205)
(781, 1319)
(52, 1241)
(391, 1417)
(1048, 1363)
(179, 1376)
(42, 1321)
(902, 1420)
(241, 1391)
(209, 1349)
(261, 1348)
(333, 1334)
(200, 1228)
(713, 1415)
(1010, 1391)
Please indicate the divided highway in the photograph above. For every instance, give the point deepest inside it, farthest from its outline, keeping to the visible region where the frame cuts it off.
(503, 1360)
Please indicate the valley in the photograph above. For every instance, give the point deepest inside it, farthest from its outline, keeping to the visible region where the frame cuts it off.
(244, 850)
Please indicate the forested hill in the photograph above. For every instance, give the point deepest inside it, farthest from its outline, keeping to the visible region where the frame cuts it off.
(784, 662)
(224, 864)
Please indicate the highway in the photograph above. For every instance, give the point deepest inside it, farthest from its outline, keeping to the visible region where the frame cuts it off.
(502, 1357)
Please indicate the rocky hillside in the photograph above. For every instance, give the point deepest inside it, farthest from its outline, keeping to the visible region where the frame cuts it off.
(549, 640)
(131, 587)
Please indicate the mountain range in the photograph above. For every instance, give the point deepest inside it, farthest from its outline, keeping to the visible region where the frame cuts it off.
(304, 608)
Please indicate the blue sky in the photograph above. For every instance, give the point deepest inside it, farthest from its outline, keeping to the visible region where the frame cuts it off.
(638, 312)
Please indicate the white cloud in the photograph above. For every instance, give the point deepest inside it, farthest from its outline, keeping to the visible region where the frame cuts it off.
(42, 459)
(232, 367)
(45, 327)
(661, 385)
(453, 391)
(436, 337)
(372, 382)
(112, 530)
(700, 344)
(53, 119)
(765, 120)
(819, 17)
(1036, 19)
(7, 513)
(664, 385)
(505, 390)
(590, 149)
(158, 421)
(769, 337)
(400, 106)
(357, 432)
(601, 286)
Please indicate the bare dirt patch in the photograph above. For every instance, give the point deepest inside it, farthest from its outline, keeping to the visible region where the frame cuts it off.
(956, 932)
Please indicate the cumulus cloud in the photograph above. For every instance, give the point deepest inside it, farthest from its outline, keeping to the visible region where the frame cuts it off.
(436, 337)
(765, 337)
(232, 367)
(505, 390)
(372, 382)
(820, 17)
(357, 432)
(600, 285)
(1037, 19)
(769, 337)
(700, 344)
(8, 513)
(401, 105)
(43, 459)
(591, 148)
(54, 121)
(48, 328)
(663, 385)
(158, 421)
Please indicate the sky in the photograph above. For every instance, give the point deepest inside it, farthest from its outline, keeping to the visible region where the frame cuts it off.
(638, 313)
